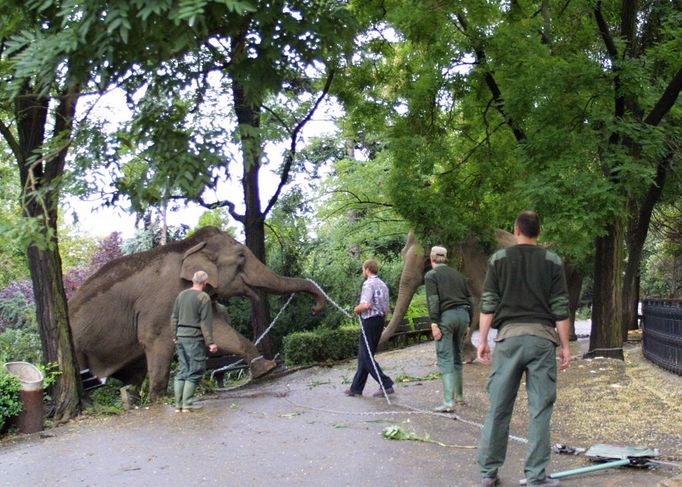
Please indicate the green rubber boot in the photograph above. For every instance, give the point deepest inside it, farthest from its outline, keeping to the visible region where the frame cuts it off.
(458, 380)
(188, 397)
(179, 387)
(448, 405)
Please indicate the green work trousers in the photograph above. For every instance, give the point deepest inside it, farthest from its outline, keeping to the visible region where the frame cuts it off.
(453, 325)
(191, 359)
(512, 356)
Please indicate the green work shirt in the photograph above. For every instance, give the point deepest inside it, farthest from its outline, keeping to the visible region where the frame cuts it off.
(446, 289)
(192, 316)
(525, 284)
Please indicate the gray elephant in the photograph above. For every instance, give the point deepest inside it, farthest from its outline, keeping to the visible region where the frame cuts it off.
(120, 316)
(474, 267)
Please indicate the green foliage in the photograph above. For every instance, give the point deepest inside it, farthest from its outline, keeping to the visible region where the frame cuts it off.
(10, 403)
(106, 400)
(418, 306)
(50, 373)
(219, 218)
(463, 162)
(321, 345)
(21, 345)
(17, 312)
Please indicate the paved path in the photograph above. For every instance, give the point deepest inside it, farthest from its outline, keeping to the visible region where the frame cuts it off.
(295, 430)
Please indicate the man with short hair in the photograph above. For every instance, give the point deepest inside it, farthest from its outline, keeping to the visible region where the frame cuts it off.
(192, 328)
(524, 297)
(450, 308)
(373, 308)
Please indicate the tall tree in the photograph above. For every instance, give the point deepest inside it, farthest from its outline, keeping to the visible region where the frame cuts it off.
(222, 110)
(501, 107)
(50, 52)
(38, 132)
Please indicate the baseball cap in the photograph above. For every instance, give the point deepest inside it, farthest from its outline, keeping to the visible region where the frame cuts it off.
(439, 251)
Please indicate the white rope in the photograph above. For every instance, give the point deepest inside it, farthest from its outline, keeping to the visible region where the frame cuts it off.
(364, 337)
(238, 363)
(411, 409)
(267, 330)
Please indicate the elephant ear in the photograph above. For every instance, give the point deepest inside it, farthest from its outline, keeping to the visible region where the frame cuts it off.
(196, 259)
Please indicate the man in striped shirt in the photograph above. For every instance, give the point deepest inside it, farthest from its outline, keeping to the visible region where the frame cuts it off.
(373, 308)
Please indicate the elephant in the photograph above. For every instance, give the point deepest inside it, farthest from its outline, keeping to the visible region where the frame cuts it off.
(120, 316)
(474, 267)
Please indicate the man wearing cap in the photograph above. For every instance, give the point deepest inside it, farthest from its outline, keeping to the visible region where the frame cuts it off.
(524, 297)
(450, 309)
(192, 328)
(373, 308)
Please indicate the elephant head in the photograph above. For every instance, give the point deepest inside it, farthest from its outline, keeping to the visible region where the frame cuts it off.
(233, 270)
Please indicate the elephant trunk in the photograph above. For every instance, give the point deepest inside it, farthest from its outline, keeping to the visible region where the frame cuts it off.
(257, 275)
(411, 278)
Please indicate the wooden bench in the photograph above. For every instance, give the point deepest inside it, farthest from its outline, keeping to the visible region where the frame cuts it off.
(420, 328)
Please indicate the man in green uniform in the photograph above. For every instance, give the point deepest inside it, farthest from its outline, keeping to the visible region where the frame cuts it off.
(450, 307)
(192, 328)
(524, 297)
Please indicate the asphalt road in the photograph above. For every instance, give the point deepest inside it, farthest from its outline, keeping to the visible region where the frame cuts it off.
(294, 430)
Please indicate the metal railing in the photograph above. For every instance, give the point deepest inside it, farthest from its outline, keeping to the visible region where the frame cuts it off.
(662, 332)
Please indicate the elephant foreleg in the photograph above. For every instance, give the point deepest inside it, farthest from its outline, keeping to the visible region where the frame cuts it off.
(231, 341)
(159, 355)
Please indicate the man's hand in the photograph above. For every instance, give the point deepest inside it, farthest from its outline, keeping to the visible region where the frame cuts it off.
(435, 331)
(483, 353)
(213, 348)
(361, 308)
(565, 356)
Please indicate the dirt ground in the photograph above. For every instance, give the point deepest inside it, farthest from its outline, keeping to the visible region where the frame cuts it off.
(300, 429)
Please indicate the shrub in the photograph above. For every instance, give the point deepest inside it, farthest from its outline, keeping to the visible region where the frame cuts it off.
(17, 308)
(10, 402)
(21, 345)
(418, 307)
(304, 348)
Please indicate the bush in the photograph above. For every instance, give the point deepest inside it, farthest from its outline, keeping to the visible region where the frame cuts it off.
(10, 402)
(304, 348)
(17, 309)
(21, 345)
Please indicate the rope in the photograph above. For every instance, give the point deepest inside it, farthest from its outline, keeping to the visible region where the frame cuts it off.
(238, 363)
(364, 337)
(410, 409)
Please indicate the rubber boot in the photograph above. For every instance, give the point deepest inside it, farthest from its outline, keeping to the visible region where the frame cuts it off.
(448, 405)
(179, 387)
(458, 381)
(188, 397)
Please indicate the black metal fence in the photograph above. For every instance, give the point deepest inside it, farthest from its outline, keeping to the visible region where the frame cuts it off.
(662, 332)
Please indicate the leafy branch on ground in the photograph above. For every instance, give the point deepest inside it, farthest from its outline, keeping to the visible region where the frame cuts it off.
(396, 432)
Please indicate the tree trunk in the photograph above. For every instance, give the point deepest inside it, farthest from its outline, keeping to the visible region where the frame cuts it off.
(248, 118)
(606, 338)
(39, 200)
(574, 281)
(55, 333)
(638, 229)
